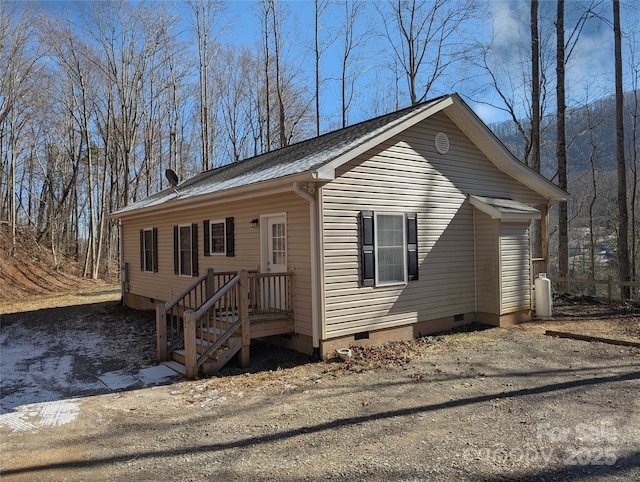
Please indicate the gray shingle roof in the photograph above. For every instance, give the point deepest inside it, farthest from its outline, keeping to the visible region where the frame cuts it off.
(305, 156)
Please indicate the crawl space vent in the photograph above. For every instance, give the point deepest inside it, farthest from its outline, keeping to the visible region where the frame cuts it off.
(442, 143)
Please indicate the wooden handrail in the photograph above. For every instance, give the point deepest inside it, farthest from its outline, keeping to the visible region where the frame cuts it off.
(186, 292)
(219, 294)
(166, 342)
(192, 321)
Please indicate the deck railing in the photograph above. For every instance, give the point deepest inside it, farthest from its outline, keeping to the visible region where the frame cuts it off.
(169, 316)
(270, 293)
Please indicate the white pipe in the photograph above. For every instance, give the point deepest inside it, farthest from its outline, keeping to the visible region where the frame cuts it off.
(475, 263)
(121, 262)
(313, 233)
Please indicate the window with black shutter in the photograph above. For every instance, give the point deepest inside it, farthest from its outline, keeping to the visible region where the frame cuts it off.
(388, 248)
(219, 237)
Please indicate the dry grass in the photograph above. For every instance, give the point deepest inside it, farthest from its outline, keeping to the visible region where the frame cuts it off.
(586, 316)
(91, 292)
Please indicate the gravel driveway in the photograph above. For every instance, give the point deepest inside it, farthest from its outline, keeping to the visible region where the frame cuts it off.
(494, 405)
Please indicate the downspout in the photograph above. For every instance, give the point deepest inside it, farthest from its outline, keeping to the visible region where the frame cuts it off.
(313, 234)
(121, 263)
(475, 265)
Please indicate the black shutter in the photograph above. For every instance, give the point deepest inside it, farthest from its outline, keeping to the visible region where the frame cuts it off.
(229, 233)
(142, 250)
(155, 250)
(206, 234)
(176, 250)
(412, 246)
(194, 249)
(366, 248)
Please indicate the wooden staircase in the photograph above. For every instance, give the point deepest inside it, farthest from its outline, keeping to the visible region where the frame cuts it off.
(208, 323)
(216, 359)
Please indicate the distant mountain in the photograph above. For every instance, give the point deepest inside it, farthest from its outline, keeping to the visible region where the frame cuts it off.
(590, 132)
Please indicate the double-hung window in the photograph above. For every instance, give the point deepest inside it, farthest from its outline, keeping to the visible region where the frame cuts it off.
(185, 249)
(219, 237)
(388, 248)
(149, 250)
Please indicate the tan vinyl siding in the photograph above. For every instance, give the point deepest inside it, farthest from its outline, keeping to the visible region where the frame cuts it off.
(406, 174)
(515, 267)
(164, 285)
(487, 263)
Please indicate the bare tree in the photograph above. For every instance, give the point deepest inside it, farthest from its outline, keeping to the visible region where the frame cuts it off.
(320, 47)
(18, 66)
(351, 67)
(535, 88)
(634, 136)
(128, 36)
(205, 14)
(283, 93)
(422, 36)
(233, 77)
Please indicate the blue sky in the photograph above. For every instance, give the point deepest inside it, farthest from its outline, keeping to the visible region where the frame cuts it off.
(589, 71)
(589, 75)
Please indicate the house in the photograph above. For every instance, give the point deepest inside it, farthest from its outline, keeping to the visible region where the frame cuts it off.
(406, 224)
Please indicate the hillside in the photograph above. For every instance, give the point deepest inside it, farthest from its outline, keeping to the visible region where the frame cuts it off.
(586, 125)
(32, 271)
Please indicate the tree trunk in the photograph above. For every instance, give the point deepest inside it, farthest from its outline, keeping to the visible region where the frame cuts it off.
(536, 229)
(317, 65)
(561, 146)
(623, 217)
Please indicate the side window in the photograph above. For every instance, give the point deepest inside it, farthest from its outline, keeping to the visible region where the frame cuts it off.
(149, 250)
(388, 248)
(185, 249)
(219, 237)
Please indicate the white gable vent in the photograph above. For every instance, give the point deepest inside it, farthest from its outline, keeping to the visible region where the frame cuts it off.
(442, 143)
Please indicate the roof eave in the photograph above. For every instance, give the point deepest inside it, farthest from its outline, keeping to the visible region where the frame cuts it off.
(272, 186)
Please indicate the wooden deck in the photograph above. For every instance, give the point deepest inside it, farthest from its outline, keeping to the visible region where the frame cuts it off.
(270, 324)
(218, 315)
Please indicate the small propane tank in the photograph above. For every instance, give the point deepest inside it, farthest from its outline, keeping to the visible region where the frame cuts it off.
(543, 297)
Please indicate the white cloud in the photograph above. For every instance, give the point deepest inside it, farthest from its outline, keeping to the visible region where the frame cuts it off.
(510, 21)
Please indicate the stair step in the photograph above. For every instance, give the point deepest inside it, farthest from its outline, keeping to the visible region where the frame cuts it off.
(203, 345)
(212, 365)
(175, 366)
(211, 334)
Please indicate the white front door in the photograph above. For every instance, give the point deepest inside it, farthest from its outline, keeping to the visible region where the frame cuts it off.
(274, 243)
(274, 260)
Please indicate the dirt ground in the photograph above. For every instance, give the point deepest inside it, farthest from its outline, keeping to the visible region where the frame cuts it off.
(488, 404)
